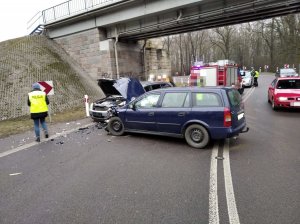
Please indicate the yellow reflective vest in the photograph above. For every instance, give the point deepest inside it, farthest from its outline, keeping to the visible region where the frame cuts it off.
(37, 102)
(256, 74)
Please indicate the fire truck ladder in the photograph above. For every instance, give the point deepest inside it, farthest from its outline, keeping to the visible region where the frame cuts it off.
(221, 77)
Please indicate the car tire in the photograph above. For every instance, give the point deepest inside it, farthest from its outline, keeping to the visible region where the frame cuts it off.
(274, 107)
(269, 101)
(115, 126)
(196, 136)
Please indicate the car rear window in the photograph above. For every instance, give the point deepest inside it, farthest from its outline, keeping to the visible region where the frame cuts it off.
(206, 100)
(289, 84)
(234, 97)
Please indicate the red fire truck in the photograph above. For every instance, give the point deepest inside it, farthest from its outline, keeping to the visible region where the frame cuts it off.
(221, 73)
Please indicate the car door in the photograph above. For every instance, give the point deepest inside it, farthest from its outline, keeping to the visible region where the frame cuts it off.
(207, 108)
(271, 90)
(173, 112)
(141, 115)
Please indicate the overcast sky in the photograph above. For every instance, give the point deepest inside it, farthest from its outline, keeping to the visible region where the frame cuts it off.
(14, 15)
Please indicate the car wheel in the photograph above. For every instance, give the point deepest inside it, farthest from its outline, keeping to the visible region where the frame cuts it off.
(274, 107)
(115, 126)
(196, 136)
(269, 101)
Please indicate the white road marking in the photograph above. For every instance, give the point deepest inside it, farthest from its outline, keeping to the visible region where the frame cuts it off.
(14, 174)
(231, 205)
(213, 186)
(248, 94)
(23, 147)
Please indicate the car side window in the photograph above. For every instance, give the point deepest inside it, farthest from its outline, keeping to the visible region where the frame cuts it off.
(147, 88)
(148, 101)
(273, 83)
(174, 100)
(155, 86)
(165, 85)
(206, 100)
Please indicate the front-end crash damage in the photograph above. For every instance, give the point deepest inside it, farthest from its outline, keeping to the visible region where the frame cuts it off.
(118, 93)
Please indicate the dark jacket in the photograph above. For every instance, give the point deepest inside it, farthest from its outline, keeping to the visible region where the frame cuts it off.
(38, 115)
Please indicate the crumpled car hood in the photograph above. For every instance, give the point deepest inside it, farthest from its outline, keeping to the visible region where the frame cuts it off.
(107, 87)
(129, 88)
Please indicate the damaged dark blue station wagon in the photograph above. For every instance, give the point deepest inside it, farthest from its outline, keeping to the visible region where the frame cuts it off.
(194, 113)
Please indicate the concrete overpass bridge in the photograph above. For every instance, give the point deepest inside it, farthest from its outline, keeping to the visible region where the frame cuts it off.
(103, 35)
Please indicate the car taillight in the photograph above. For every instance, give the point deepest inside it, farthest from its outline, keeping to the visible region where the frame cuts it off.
(227, 117)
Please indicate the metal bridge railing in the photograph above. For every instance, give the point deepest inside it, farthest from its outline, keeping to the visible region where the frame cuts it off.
(65, 10)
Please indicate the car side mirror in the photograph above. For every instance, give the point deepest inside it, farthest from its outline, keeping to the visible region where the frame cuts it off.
(132, 106)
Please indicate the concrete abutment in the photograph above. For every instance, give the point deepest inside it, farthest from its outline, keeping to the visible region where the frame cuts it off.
(96, 55)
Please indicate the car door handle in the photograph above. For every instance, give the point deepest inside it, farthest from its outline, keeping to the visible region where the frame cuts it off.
(151, 114)
(181, 114)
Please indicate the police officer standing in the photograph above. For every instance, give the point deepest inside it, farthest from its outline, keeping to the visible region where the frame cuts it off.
(256, 75)
(38, 103)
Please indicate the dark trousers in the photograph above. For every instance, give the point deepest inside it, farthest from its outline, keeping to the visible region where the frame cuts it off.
(255, 81)
(37, 122)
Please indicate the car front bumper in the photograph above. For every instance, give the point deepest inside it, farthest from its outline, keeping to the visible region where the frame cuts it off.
(99, 115)
(287, 104)
(247, 83)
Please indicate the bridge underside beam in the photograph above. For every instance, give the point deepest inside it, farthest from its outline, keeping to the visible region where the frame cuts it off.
(228, 15)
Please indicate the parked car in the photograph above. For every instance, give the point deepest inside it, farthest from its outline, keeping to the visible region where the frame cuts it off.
(247, 78)
(284, 92)
(286, 72)
(113, 89)
(197, 114)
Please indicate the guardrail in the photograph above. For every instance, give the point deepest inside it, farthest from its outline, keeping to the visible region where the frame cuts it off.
(65, 10)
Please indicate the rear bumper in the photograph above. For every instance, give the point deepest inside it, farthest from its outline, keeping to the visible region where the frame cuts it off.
(222, 133)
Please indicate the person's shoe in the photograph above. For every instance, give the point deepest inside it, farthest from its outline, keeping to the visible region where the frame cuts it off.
(37, 139)
(46, 134)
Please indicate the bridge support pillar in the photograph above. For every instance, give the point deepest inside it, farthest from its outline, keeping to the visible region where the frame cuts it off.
(97, 55)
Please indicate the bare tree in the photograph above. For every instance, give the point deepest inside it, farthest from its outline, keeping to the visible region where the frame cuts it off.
(223, 39)
(272, 42)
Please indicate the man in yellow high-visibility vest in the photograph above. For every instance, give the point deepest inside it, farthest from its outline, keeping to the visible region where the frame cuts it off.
(256, 75)
(38, 103)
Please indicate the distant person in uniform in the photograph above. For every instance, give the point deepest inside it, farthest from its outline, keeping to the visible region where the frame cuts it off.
(38, 103)
(256, 75)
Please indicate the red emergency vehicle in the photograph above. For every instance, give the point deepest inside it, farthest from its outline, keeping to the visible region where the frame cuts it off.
(222, 73)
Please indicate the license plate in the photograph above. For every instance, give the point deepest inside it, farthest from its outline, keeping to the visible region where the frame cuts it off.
(240, 116)
(295, 104)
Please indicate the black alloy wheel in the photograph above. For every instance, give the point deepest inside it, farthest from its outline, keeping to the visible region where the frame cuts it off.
(115, 126)
(197, 136)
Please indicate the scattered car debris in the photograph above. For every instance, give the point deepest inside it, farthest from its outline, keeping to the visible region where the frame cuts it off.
(101, 125)
(14, 174)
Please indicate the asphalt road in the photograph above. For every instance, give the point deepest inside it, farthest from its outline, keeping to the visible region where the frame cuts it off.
(90, 177)
(265, 163)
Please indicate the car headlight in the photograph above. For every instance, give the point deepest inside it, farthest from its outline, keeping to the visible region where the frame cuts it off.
(282, 98)
(91, 106)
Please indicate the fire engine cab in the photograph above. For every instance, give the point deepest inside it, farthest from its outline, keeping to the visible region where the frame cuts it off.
(221, 73)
